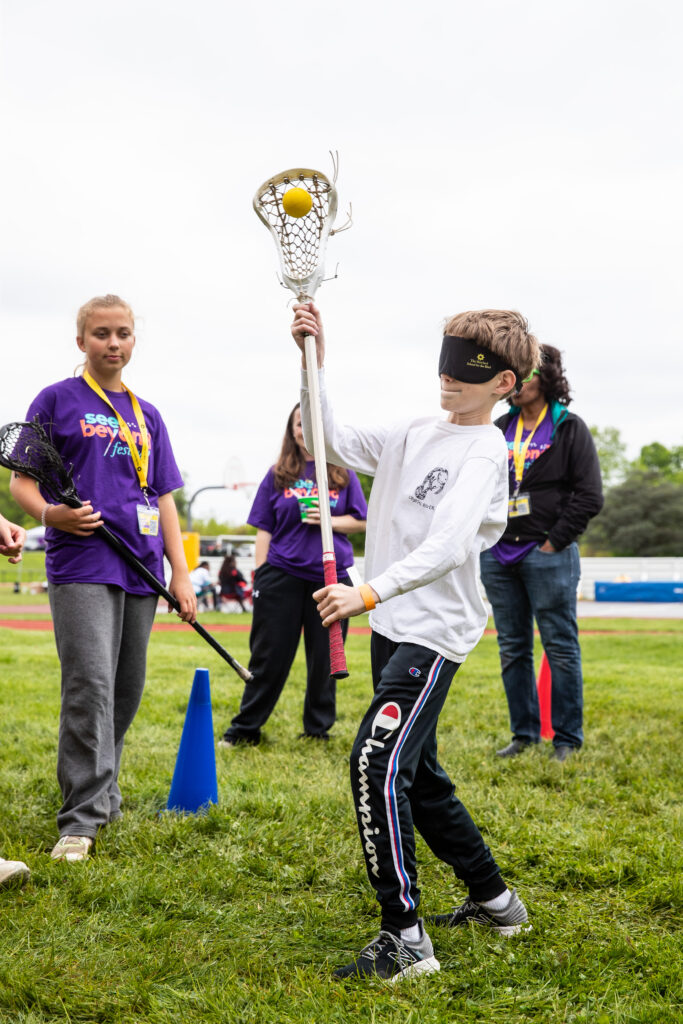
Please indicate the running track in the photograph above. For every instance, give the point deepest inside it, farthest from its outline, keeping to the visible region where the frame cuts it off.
(45, 625)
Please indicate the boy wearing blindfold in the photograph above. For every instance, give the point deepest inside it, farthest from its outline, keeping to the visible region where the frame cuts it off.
(440, 497)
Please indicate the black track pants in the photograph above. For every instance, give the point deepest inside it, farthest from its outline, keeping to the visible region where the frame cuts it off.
(398, 784)
(283, 606)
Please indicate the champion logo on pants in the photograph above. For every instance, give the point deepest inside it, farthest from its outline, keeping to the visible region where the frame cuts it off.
(391, 802)
(388, 717)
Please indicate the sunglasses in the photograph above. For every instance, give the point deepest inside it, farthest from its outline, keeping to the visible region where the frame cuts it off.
(534, 373)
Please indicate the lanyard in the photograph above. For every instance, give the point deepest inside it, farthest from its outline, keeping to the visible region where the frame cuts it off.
(519, 450)
(140, 458)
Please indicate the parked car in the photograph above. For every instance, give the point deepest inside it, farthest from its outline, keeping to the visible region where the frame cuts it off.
(35, 539)
(213, 546)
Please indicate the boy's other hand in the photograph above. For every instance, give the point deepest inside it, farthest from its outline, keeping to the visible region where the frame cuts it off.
(307, 320)
(338, 602)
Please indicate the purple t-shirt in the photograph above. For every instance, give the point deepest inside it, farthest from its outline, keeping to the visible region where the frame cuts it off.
(87, 434)
(508, 552)
(296, 547)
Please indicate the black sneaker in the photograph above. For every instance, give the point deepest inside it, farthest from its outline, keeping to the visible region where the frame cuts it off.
(509, 921)
(562, 752)
(235, 740)
(390, 958)
(513, 748)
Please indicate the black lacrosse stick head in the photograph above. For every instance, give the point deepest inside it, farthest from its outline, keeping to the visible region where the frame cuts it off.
(26, 448)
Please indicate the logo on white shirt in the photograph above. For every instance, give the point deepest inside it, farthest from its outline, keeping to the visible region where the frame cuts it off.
(435, 481)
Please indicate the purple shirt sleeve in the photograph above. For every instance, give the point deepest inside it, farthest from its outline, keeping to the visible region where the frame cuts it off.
(262, 514)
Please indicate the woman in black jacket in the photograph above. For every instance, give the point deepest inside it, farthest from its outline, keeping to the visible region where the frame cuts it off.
(533, 571)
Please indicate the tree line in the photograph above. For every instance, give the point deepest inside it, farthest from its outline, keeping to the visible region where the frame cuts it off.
(643, 510)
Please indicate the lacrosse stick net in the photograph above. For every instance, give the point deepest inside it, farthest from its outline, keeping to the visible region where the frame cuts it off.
(301, 243)
(27, 448)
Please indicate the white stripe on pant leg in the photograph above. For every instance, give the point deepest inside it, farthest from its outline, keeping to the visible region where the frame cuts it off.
(390, 791)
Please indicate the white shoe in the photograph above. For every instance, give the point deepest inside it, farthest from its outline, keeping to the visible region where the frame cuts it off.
(12, 872)
(72, 848)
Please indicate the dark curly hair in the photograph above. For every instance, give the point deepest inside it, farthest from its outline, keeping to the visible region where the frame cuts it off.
(551, 378)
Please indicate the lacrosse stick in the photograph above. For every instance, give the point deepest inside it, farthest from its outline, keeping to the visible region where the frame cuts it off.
(300, 242)
(26, 448)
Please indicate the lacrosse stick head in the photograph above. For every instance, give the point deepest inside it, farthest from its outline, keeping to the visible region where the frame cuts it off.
(300, 241)
(26, 448)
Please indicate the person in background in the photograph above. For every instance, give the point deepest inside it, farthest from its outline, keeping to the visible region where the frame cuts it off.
(203, 587)
(288, 557)
(232, 582)
(12, 537)
(533, 571)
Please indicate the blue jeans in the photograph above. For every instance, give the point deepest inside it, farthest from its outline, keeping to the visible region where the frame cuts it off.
(542, 586)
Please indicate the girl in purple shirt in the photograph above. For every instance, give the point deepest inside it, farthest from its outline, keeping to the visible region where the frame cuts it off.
(288, 570)
(102, 610)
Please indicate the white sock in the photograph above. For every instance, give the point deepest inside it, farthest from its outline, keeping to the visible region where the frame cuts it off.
(411, 934)
(499, 902)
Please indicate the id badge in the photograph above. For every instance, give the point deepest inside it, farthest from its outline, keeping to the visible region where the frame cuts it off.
(519, 506)
(148, 521)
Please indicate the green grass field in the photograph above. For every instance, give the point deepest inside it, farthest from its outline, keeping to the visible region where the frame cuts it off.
(31, 569)
(240, 915)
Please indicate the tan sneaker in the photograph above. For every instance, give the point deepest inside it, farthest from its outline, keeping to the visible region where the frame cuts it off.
(12, 872)
(72, 848)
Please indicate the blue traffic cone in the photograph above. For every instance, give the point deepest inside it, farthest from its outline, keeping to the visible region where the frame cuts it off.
(194, 782)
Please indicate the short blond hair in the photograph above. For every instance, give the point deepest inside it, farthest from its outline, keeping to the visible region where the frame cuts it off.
(504, 332)
(100, 302)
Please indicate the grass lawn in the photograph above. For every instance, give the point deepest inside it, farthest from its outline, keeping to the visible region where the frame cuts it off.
(31, 570)
(240, 915)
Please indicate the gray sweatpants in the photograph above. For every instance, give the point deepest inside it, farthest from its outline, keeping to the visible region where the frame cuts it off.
(102, 635)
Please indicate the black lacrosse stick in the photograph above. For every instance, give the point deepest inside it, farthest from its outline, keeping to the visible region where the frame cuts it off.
(26, 448)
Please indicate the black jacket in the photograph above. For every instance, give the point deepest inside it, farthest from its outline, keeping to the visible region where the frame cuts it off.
(564, 483)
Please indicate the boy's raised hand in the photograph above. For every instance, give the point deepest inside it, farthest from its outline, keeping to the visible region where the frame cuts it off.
(307, 320)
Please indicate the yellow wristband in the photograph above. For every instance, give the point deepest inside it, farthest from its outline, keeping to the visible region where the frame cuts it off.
(365, 591)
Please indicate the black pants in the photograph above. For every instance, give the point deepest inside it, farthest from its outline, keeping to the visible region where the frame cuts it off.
(283, 605)
(398, 784)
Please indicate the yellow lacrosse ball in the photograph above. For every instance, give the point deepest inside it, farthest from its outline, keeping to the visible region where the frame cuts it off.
(296, 202)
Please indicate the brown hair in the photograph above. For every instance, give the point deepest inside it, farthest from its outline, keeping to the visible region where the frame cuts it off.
(504, 332)
(291, 463)
(100, 302)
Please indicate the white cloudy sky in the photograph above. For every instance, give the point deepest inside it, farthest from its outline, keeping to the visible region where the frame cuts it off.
(497, 154)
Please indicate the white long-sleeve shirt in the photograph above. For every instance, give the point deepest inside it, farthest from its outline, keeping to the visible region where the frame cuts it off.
(439, 498)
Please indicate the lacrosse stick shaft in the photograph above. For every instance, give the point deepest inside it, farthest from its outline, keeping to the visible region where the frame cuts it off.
(337, 656)
(149, 577)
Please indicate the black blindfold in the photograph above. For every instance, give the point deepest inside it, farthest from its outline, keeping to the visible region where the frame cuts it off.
(463, 359)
